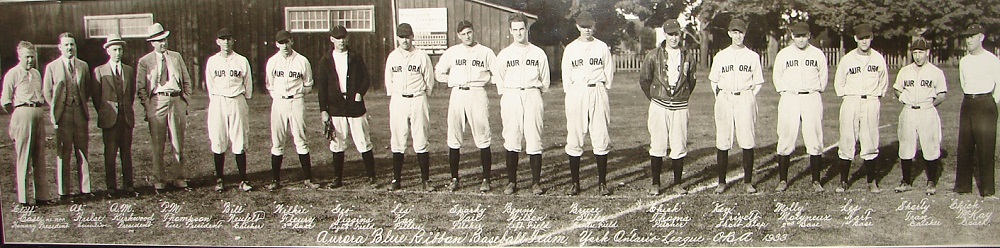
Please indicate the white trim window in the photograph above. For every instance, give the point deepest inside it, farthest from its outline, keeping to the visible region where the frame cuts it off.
(128, 26)
(312, 19)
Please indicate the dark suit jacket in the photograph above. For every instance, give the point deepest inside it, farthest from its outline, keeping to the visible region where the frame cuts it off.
(54, 86)
(342, 102)
(146, 75)
(114, 95)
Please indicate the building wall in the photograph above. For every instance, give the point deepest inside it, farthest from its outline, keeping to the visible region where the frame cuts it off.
(490, 23)
(192, 25)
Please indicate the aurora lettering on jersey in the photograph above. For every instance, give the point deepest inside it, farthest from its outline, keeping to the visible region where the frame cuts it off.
(923, 83)
(475, 63)
(808, 62)
(291, 74)
(742, 68)
(232, 73)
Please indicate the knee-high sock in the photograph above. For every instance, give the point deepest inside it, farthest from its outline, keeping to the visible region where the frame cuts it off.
(783, 162)
(678, 167)
(306, 165)
(369, 160)
(905, 166)
(220, 161)
(397, 166)
(536, 168)
(722, 160)
(276, 167)
(453, 157)
(845, 170)
(574, 169)
(511, 166)
(869, 169)
(932, 170)
(655, 165)
(338, 166)
(425, 166)
(241, 165)
(486, 159)
(815, 166)
(602, 168)
(748, 165)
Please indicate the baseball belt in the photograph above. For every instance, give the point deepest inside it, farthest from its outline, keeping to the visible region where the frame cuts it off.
(805, 92)
(410, 95)
(524, 88)
(31, 105)
(170, 94)
(973, 96)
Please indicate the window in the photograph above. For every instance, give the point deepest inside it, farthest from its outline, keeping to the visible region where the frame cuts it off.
(322, 18)
(128, 26)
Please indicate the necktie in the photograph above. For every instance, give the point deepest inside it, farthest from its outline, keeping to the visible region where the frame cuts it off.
(163, 70)
(72, 71)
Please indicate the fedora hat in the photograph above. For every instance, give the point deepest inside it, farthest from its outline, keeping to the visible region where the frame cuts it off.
(156, 32)
(114, 39)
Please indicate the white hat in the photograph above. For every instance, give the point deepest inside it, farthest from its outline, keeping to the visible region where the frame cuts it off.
(156, 32)
(113, 39)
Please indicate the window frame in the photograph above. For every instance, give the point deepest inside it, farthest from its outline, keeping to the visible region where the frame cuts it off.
(330, 17)
(88, 20)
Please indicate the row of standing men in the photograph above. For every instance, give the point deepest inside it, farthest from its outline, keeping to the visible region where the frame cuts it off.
(520, 72)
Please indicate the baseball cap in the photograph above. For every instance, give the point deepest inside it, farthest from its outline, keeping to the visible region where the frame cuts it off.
(737, 24)
(973, 30)
(671, 26)
(919, 44)
(224, 33)
(282, 37)
(338, 32)
(585, 19)
(462, 25)
(863, 31)
(404, 30)
(114, 39)
(800, 28)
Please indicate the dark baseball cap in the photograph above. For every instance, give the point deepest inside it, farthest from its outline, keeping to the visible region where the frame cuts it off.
(585, 19)
(973, 30)
(338, 32)
(737, 24)
(282, 36)
(863, 31)
(463, 25)
(224, 33)
(404, 30)
(800, 28)
(671, 26)
(920, 44)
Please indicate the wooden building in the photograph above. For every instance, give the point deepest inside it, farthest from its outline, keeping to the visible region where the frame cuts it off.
(193, 25)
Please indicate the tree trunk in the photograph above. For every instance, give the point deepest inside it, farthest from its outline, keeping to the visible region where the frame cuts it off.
(772, 50)
(703, 53)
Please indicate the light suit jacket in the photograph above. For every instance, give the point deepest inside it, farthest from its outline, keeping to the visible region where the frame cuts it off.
(54, 81)
(114, 95)
(146, 75)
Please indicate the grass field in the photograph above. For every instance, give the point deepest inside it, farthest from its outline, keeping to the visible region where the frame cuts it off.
(355, 215)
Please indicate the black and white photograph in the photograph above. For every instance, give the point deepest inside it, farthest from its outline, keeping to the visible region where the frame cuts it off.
(470, 123)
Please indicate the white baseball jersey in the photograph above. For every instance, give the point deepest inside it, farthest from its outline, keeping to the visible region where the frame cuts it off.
(919, 120)
(588, 70)
(467, 70)
(860, 80)
(287, 80)
(521, 74)
(229, 83)
(736, 75)
(409, 77)
(800, 75)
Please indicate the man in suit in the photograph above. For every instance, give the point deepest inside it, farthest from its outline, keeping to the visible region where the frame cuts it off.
(164, 87)
(342, 82)
(114, 93)
(64, 85)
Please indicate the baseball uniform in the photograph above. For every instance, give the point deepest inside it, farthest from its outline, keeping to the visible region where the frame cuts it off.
(917, 87)
(115, 93)
(860, 80)
(521, 73)
(667, 79)
(467, 70)
(22, 91)
(979, 73)
(164, 85)
(230, 84)
(409, 79)
(588, 70)
(736, 76)
(289, 78)
(66, 84)
(342, 80)
(800, 75)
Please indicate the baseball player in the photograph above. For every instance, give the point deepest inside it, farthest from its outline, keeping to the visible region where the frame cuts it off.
(22, 97)
(800, 76)
(522, 75)
(163, 85)
(466, 68)
(114, 92)
(587, 73)
(667, 78)
(289, 77)
(409, 79)
(230, 85)
(861, 79)
(920, 86)
(736, 79)
(342, 82)
(66, 83)
(977, 123)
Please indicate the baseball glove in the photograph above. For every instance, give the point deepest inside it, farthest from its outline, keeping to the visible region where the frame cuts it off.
(328, 130)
